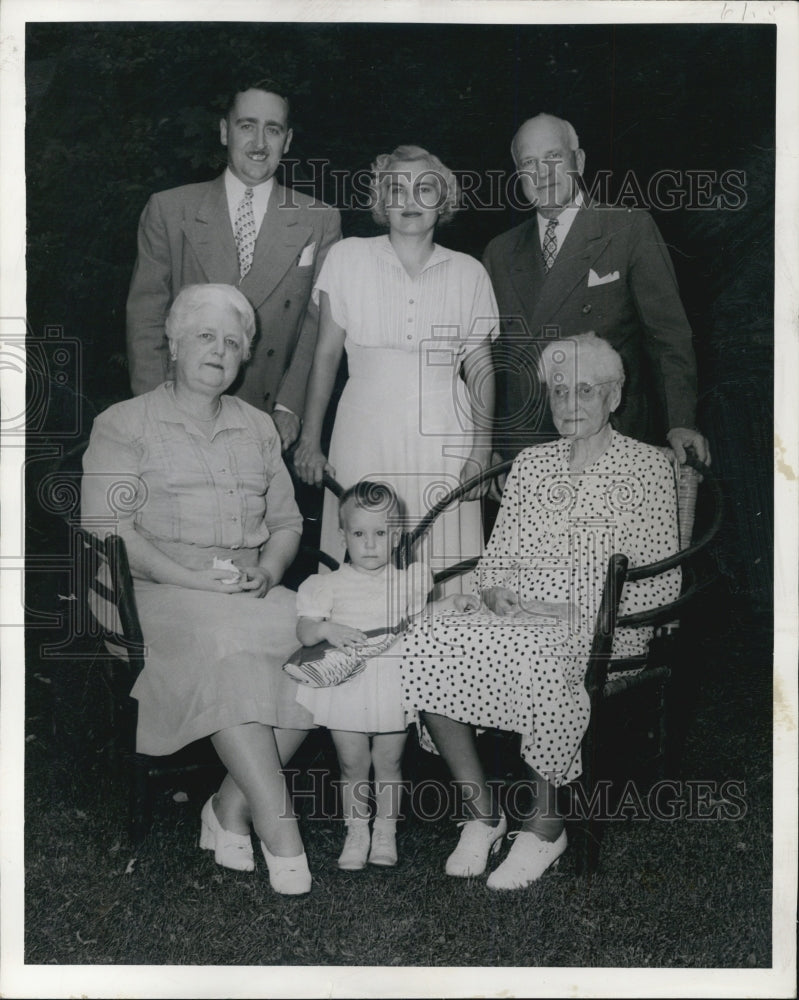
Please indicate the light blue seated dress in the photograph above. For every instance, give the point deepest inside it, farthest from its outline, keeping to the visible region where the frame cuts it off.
(212, 660)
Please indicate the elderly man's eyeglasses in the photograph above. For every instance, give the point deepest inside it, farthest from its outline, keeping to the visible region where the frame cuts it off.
(585, 390)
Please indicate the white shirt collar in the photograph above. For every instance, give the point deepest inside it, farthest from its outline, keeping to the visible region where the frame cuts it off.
(383, 245)
(565, 220)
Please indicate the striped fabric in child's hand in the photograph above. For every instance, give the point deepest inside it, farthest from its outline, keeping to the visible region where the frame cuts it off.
(324, 665)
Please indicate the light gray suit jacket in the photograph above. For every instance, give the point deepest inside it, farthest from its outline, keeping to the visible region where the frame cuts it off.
(186, 237)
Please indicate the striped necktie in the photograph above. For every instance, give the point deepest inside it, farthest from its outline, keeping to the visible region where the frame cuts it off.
(244, 232)
(549, 249)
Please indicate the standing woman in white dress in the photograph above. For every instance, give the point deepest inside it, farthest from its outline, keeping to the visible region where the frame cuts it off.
(417, 322)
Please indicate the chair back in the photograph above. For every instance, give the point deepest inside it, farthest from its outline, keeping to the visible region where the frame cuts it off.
(619, 573)
(105, 589)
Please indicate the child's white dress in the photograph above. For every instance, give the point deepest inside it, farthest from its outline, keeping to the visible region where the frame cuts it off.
(370, 702)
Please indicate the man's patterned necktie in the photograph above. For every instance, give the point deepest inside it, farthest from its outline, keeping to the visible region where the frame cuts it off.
(244, 232)
(549, 250)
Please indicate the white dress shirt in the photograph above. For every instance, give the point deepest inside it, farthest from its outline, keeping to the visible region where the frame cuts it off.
(565, 220)
(234, 189)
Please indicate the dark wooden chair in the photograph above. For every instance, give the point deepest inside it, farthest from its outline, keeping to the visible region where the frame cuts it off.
(105, 588)
(614, 691)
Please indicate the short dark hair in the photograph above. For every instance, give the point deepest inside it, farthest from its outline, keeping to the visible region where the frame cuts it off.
(369, 495)
(268, 86)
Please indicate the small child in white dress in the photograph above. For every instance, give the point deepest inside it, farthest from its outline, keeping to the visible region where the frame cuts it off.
(365, 714)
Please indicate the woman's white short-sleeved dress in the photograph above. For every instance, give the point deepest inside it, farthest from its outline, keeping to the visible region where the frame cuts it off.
(404, 416)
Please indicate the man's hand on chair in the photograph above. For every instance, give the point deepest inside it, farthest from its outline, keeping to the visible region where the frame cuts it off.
(681, 438)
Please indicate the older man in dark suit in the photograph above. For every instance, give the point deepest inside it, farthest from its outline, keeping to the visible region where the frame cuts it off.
(243, 229)
(577, 267)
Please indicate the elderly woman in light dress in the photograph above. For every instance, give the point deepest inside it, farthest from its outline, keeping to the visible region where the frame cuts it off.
(212, 529)
(518, 663)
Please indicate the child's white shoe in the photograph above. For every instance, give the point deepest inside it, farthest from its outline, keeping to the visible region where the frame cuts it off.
(356, 846)
(384, 843)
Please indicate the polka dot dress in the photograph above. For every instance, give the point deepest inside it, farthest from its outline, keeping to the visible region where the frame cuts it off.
(552, 540)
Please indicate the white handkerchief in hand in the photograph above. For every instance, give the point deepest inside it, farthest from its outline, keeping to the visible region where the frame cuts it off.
(306, 257)
(605, 279)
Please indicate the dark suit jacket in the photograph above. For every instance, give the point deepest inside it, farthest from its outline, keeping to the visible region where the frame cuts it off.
(185, 237)
(636, 308)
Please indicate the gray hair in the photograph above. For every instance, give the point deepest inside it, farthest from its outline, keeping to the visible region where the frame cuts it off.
(385, 162)
(192, 298)
(605, 361)
(568, 129)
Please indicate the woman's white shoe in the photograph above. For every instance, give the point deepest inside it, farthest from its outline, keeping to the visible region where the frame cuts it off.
(527, 860)
(231, 850)
(288, 876)
(478, 840)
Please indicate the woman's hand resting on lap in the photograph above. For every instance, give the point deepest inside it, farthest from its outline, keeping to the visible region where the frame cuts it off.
(255, 582)
(505, 603)
(501, 601)
(214, 580)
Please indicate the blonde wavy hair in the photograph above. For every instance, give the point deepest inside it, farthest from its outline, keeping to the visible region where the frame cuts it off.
(445, 178)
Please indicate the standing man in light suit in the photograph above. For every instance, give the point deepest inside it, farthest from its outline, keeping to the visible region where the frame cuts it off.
(241, 229)
(577, 267)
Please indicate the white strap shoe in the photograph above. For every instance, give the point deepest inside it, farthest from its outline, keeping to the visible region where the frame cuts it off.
(478, 839)
(231, 850)
(527, 860)
(288, 876)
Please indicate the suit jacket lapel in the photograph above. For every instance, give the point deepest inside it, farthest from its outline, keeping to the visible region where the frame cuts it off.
(211, 236)
(585, 242)
(280, 242)
(527, 269)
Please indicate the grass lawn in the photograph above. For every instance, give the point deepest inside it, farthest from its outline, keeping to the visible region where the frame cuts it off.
(687, 893)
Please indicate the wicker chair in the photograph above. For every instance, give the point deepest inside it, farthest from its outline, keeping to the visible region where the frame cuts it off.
(611, 684)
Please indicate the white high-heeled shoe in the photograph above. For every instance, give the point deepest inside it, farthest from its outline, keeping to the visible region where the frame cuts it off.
(527, 860)
(288, 876)
(478, 840)
(231, 850)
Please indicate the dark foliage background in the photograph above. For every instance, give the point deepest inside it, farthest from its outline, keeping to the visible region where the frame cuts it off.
(119, 110)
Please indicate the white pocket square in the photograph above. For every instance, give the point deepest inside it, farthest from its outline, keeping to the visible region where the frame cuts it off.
(306, 257)
(605, 279)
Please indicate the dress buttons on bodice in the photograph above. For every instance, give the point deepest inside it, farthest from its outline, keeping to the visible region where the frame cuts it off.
(586, 308)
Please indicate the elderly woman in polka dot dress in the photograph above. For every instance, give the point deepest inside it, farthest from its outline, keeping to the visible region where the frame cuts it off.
(518, 663)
